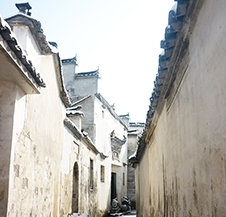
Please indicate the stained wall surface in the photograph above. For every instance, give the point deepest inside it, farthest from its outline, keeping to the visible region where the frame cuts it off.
(39, 152)
(134, 132)
(186, 154)
(35, 161)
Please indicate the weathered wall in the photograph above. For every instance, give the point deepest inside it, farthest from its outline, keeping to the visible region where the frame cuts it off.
(78, 87)
(35, 161)
(69, 76)
(105, 123)
(36, 139)
(28, 43)
(88, 121)
(186, 153)
(132, 146)
(10, 104)
(77, 154)
(69, 158)
(39, 153)
(134, 132)
(85, 86)
(86, 193)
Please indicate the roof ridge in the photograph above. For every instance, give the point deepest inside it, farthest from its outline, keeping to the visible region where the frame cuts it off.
(89, 73)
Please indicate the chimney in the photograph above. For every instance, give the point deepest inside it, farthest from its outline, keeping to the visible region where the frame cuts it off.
(24, 8)
(75, 115)
(125, 119)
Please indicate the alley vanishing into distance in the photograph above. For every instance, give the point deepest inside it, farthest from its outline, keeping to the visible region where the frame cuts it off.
(64, 150)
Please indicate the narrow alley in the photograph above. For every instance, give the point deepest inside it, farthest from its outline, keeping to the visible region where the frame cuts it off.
(63, 148)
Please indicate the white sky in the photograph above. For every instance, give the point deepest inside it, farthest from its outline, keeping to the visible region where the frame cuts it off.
(122, 37)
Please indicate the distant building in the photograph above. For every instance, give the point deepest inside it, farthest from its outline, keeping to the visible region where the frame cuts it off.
(105, 128)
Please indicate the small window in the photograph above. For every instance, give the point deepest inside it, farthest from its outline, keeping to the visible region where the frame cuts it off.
(102, 173)
(123, 178)
(91, 174)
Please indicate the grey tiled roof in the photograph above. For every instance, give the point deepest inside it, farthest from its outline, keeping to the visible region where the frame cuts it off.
(70, 60)
(88, 74)
(175, 23)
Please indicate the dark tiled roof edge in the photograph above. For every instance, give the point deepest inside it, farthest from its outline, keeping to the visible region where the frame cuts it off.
(175, 24)
(63, 93)
(12, 41)
(70, 60)
(139, 124)
(73, 128)
(88, 74)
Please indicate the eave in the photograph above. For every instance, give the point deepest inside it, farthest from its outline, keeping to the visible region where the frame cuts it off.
(12, 70)
(63, 93)
(73, 128)
(88, 74)
(81, 136)
(89, 143)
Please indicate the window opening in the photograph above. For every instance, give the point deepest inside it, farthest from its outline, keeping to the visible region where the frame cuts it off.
(91, 174)
(102, 173)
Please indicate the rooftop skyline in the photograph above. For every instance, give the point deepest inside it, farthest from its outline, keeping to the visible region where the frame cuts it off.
(122, 38)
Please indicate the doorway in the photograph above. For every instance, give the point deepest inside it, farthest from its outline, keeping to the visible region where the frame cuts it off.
(75, 189)
(113, 186)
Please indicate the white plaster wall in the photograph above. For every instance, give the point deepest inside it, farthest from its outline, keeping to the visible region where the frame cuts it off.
(67, 150)
(28, 44)
(88, 120)
(42, 151)
(88, 197)
(78, 87)
(76, 151)
(69, 77)
(104, 126)
(85, 86)
(35, 180)
(7, 105)
(104, 187)
(12, 113)
(186, 157)
(69, 157)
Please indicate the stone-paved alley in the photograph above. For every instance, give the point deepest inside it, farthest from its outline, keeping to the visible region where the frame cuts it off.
(132, 214)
